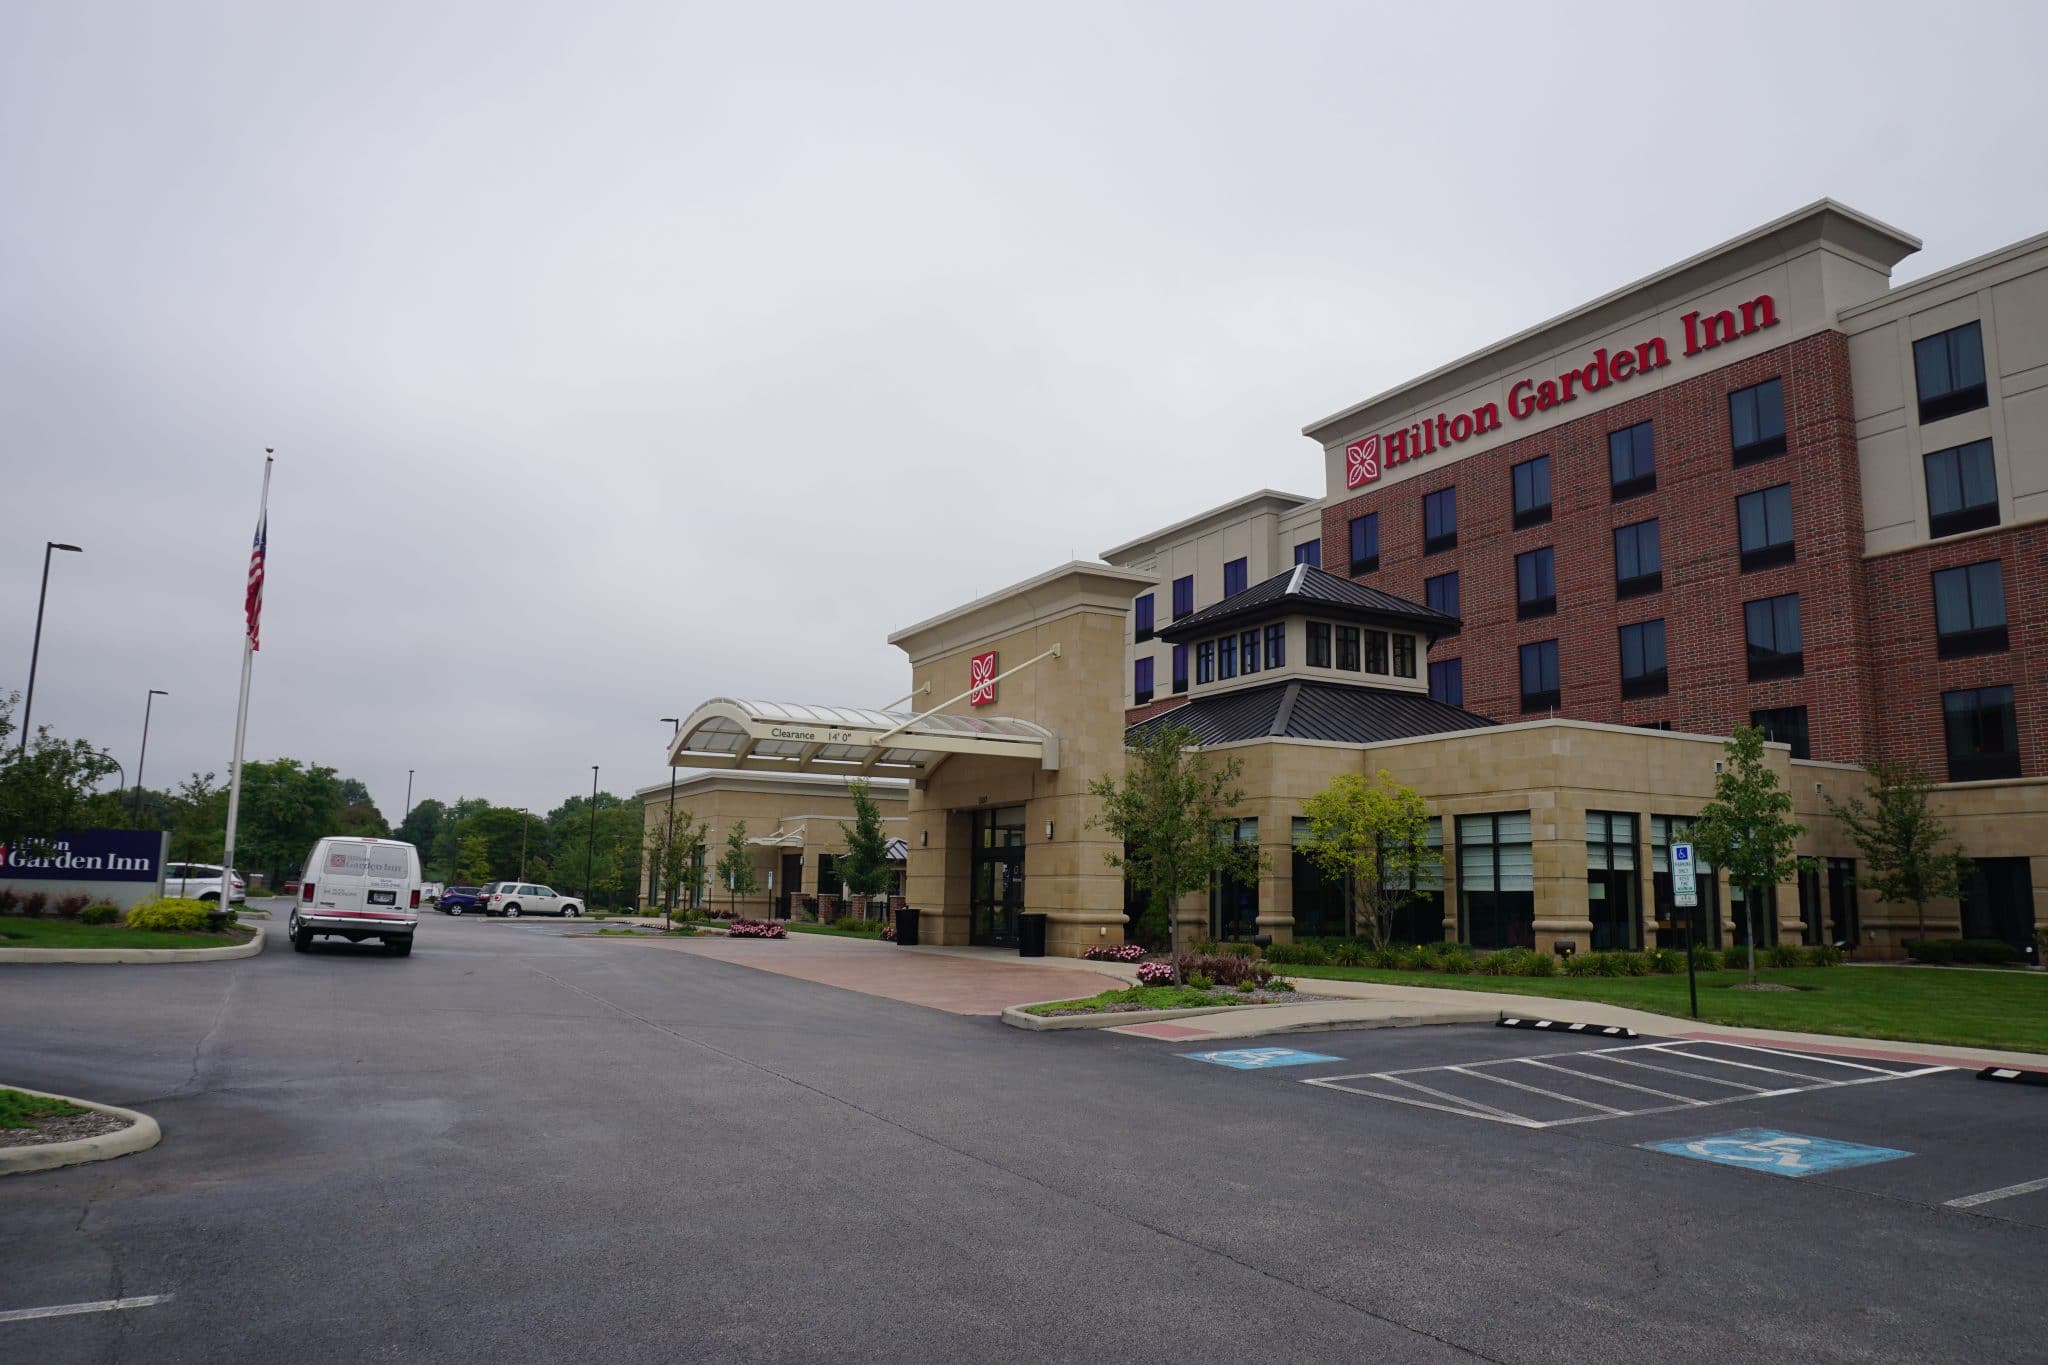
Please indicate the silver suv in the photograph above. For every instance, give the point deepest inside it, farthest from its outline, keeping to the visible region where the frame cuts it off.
(513, 899)
(201, 882)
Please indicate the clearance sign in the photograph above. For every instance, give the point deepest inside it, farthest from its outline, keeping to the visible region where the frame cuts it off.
(1370, 456)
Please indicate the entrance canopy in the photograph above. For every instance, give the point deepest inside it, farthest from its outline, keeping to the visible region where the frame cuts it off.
(790, 737)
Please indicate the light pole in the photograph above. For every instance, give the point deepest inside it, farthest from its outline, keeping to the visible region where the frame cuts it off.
(590, 851)
(408, 797)
(522, 843)
(143, 757)
(668, 900)
(28, 703)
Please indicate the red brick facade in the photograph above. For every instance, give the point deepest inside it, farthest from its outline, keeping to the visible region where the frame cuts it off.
(1869, 685)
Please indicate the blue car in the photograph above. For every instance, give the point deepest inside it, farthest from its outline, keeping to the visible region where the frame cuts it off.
(456, 899)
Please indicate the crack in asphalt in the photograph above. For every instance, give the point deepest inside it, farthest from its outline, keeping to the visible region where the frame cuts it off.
(980, 1160)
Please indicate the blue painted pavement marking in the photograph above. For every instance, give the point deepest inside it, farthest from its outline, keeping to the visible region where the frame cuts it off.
(1767, 1149)
(1259, 1058)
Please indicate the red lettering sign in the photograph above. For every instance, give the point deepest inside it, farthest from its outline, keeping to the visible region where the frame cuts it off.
(981, 676)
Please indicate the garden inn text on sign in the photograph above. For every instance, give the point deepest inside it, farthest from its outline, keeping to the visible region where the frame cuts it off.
(1370, 456)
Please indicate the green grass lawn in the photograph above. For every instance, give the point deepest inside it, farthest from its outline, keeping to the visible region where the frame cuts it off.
(1150, 998)
(1910, 1004)
(17, 932)
(830, 932)
(21, 1111)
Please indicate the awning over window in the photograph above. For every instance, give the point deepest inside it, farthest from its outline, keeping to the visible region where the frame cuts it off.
(791, 737)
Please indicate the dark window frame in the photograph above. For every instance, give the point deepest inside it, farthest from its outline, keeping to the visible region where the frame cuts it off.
(1951, 346)
(1364, 533)
(1248, 651)
(1965, 516)
(1349, 653)
(1785, 725)
(1141, 681)
(1205, 663)
(1439, 589)
(1767, 553)
(1759, 400)
(1531, 503)
(1240, 569)
(1632, 461)
(1454, 670)
(1645, 681)
(1376, 652)
(1309, 552)
(1543, 698)
(1318, 652)
(1276, 645)
(1980, 764)
(1440, 508)
(1183, 596)
(1979, 634)
(1226, 657)
(1542, 562)
(1642, 582)
(1404, 654)
(1142, 619)
(1180, 669)
(1771, 659)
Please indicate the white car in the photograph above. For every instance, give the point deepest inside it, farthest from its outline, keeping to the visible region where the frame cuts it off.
(513, 899)
(201, 882)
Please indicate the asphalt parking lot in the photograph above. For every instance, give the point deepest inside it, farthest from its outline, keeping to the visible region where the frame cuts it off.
(520, 1144)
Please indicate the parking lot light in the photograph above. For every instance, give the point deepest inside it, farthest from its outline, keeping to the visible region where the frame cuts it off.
(35, 653)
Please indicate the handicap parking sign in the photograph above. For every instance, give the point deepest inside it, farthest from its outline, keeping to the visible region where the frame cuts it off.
(1767, 1149)
(1259, 1058)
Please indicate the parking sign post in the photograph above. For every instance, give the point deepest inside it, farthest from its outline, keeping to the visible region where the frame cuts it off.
(1685, 895)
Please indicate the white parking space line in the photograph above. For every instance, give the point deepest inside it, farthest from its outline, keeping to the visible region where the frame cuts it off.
(1617, 1096)
(1971, 1201)
(1813, 1057)
(65, 1310)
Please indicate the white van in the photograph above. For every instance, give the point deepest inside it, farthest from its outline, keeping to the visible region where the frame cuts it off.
(357, 888)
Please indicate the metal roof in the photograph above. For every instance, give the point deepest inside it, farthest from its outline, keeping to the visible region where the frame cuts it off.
(795, 737)
(1344, 713)
(1308, 590)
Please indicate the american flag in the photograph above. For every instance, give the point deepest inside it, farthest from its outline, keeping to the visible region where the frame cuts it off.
(252, 604)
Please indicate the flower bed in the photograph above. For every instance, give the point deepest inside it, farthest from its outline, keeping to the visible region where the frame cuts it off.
(756, 928)
(1122, 952)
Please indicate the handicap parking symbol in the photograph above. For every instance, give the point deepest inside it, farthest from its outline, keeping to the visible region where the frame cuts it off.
(1259, 1058)
(1767, 1149)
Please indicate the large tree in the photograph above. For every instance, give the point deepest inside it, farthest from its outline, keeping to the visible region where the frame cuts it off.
(736, 866)
(1747, 830)
(286, 806)
(1909, 856)
(865, 869)
(1168, 810)
(422, 828)
(1376, 834)
(45, 786)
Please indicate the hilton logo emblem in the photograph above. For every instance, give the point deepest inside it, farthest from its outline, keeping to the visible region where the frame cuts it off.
(981, 676)
(1362, 461)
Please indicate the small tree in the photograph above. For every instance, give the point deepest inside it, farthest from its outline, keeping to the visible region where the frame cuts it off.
(46, 785)
(473, 859)
(1376, 834)
(736, 867)
(675, 848)
(865, 868)
(1747, 828)
(1909, 856)
(1168, 810)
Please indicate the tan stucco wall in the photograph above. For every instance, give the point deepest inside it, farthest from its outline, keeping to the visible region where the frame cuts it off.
(766, 802)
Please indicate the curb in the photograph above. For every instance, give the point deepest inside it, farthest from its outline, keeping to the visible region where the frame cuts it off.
(2016, 1075)
(141, 1134)
(134, 956)
(1016, 1017)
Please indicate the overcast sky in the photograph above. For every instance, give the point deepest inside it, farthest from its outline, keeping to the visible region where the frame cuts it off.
(617, 357)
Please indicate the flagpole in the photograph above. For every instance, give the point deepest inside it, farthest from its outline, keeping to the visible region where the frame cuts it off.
(227, 861)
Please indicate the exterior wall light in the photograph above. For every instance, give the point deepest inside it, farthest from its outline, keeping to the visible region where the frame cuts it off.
(924, 838)
(1048, 829)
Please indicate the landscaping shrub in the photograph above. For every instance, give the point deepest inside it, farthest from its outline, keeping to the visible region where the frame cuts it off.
(1705, 959)
(1506, 962)
(757, 928)
(1944, 951)
(10, 900)
(171, 915)
(1226, 969)
(1823, 955)
(1665, 961)
(1246, 987)
(1121, 952)
(32, 903)
(1239, 949)
(1203, 947)
(1305, 954)
(851, 925)
(1454, 959)
(1608, 964)
(99, 914)
(1155, 974)
(1542, 964)
(1784, 955)
(1199, 982)
(69, 907)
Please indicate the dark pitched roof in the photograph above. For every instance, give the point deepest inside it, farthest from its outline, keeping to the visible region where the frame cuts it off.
(1308, 589)
(1342, 712)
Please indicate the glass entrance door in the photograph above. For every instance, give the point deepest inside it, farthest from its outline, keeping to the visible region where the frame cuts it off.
(996, 889)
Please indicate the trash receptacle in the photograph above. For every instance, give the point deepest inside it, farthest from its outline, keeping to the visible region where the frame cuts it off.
(1031, 936)
(906, 927)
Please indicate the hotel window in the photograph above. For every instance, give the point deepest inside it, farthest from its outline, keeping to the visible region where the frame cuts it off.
(1632, 460)
(1784, 725)
(1496, 881)
(1205, 662)
(1638, 560)
(1439, 520)
(1612, 885)
(1319, 644)
(1276, 645)
(1365, 543)
(1532, 492)
(1771, 629)
(1180, 668)
(1969, 610)
(1309, 552)
(1949, 369)
(1539, 676)
(1226, 658)
(1143, 613)
(1376, 651)
(1983, 736)
(1666, 830)
(1441, 593)
(1234, 578)
(1347, 648)
(1141, 681)
(1764, 521)
(1962, 489)
(1183, 597)
(828, 875)
(1756, 422)
(1535, 583)
(1642, 660)
(1248, 651)
(1447, 681)
(1404, 656)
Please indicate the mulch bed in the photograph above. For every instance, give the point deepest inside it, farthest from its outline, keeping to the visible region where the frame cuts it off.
(62, 1128)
